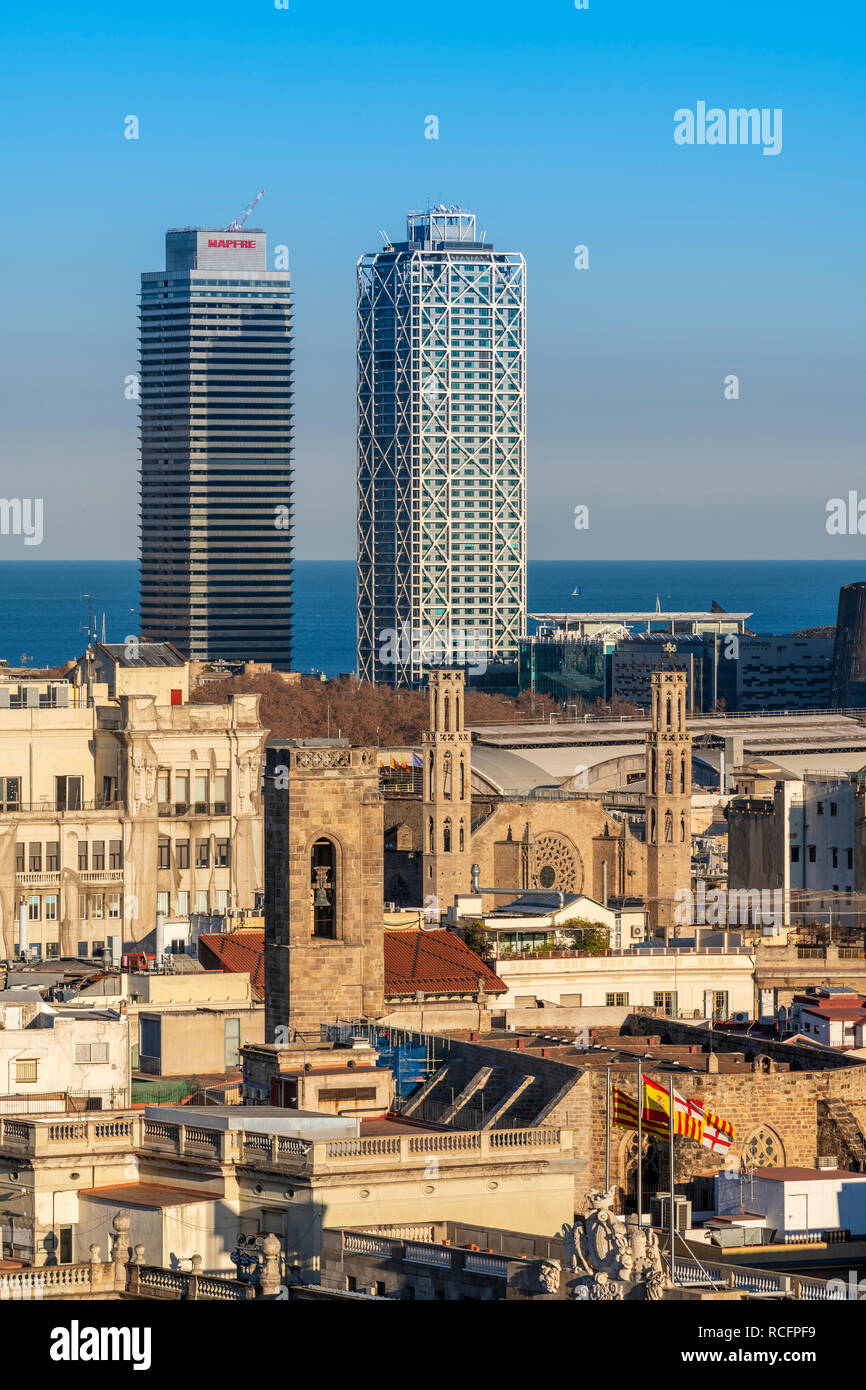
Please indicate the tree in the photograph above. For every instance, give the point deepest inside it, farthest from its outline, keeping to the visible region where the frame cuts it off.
(365, 714)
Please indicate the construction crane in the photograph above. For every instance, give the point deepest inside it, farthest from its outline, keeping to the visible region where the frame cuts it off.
(239, 221)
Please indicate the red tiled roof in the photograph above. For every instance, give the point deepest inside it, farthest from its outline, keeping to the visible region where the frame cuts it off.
(236, 951)
(437, 962)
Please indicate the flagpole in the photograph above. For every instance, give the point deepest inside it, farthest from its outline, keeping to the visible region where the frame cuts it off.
(671, 1215)
(607, 1133)
(639, 1143)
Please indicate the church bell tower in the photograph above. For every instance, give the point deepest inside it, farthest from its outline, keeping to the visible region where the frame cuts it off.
(447, 801)
(668, 798)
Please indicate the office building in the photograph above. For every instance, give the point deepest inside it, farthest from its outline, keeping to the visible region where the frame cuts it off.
(216, 449)
(441, 451)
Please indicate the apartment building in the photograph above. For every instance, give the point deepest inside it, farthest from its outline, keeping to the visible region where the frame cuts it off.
(49, 1054)
(804, 840)
(119, 800)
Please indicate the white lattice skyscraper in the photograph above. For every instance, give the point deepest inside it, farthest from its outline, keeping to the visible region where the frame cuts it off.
(441, 451)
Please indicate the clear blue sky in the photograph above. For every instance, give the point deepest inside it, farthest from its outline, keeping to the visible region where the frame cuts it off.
(556, 127)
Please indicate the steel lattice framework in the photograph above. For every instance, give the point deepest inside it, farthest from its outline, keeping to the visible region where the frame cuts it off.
(441, 451)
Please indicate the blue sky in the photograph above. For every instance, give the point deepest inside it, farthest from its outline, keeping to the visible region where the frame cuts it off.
(556, 128)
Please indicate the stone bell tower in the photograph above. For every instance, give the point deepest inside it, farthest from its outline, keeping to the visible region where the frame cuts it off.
(324, 952)
(447, 801)
(668, 797)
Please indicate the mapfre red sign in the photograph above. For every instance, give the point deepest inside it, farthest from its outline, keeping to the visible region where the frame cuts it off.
(239, 245)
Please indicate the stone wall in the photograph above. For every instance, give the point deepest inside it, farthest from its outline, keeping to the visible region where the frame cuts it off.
(329, 793)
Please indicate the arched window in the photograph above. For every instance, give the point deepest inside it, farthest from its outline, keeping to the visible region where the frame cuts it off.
(462, 838)
(669, 772)
(652, 827)
(668, 710)
(435, 708)
(652, 785)
(683, 774)
(446, 835)
(323, 888)
(462, 779)
(447, 708)
(431, 835)
(669, 828)
(764, 1149)
(446, 776)
(431, 782)
(682, 829)
(680, 712)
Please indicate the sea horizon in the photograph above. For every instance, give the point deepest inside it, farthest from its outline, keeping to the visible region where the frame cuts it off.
(44, 609)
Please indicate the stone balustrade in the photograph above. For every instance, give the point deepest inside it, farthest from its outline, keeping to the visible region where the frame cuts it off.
(44, 1137)
(766, 1282)
(426, 1251)
(40, 1137)
(115, 1278)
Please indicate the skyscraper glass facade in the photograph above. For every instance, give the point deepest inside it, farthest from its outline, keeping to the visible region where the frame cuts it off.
(441, 451)
(216, 449)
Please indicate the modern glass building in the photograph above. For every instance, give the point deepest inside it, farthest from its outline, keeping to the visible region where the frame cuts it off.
(441, 451)
(216, 449)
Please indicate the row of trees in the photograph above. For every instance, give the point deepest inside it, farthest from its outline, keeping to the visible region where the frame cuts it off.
(356, 710)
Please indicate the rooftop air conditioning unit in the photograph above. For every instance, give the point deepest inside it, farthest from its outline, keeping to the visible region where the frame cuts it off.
(826, 1161)
(390, 907)
(660, 1209)
(739, 1018)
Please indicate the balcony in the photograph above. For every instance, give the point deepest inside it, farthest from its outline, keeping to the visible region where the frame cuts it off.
(47, 806)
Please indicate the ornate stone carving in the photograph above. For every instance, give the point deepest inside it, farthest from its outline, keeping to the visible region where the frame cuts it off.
(558, 864)
(614, 1257)
(549, 1276)
(325, 757)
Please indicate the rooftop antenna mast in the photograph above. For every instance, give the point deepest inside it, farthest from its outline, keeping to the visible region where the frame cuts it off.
(239, 221)
(91, 638)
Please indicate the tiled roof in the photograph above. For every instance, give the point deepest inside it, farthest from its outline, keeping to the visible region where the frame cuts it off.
(437, 962)
(237, 951)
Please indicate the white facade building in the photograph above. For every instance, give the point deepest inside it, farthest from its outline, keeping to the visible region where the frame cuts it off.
(54, 1051)
(684, 984)
(795, 1200)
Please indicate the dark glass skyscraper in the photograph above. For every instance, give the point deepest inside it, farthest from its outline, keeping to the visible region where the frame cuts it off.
(216, 449)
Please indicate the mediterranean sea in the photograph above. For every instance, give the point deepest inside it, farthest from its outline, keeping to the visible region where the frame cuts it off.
(43, 611)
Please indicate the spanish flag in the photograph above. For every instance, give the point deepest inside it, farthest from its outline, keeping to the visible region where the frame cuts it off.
(688, 1114)
(655, 1113)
